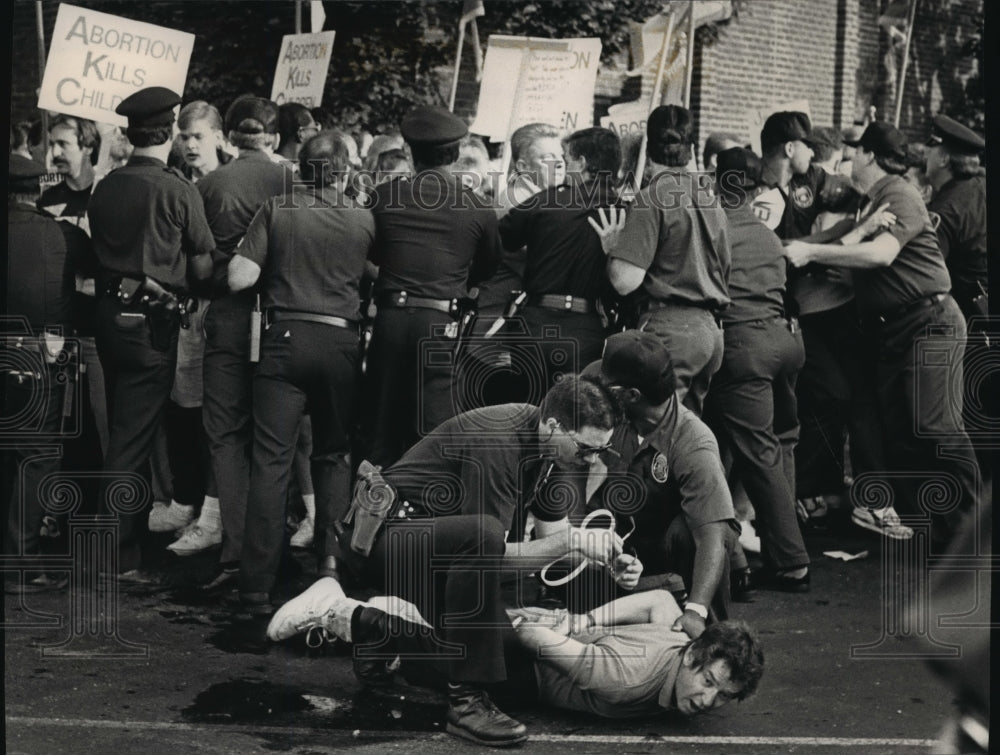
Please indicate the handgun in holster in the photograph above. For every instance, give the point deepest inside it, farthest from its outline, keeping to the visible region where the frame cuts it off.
(469, 309)
(373, 502)
(187, 306)
(162, 313)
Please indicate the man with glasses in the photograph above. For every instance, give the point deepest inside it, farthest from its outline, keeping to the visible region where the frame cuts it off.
(684, 519)
(463, 495)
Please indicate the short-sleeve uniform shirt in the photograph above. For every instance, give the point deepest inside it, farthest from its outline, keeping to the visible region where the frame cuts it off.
(676, 232)
(918, 269)
(757, 277)
(146, 219)
(483, 462)
(959, 212)
(311, 246)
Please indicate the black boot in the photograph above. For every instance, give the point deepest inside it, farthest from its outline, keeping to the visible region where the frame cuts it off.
(370, 626)
(473, 716)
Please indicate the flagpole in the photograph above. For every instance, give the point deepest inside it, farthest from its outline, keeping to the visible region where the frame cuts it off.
(458, 64)
(477, 49)
(298, 16)
(906, 59)
(689, 74)
(39, 23)
(655, 97)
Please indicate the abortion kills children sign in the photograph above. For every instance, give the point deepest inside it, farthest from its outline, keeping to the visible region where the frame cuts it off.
(96, 60)
(302, 66)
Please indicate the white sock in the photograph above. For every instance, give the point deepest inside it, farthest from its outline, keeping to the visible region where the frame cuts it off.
(210, 518)
(310, 502)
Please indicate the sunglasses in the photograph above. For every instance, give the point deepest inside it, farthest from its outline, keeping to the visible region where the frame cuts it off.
(583, 450)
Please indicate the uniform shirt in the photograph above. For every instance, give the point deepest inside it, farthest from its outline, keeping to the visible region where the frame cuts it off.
(146, 219)
(483, 462)
(918, 269)
(624, 671)
(757, 277)
(675, 470)
(433, 237)
(39, 274)
(232, 194)
(959, 211)
(803, 203)
(311, 247)
(679, 238)
(564, 254)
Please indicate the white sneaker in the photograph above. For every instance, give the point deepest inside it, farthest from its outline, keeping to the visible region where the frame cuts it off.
(169, 518)
(883, 521)
(308, 610)
(749, 538)
(196, 539)
(303, 537)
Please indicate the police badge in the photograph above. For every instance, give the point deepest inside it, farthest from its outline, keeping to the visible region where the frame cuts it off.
(659, 468)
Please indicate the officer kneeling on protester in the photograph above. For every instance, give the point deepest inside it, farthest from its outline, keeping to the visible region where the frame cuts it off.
(151, 239)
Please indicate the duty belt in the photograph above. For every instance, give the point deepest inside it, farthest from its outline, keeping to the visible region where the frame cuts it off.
(563, 303)
(402, 299)
(274, 315)
(910, 306)
(654, 304)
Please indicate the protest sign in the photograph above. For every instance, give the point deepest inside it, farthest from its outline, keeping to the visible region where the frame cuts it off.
(302, 67)
(532, 80)
(96, 60)
(626, 118)
(755, 118)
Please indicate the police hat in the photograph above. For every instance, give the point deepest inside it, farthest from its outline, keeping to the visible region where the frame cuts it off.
(884, 140)
(149, 107)
(430, 126)
(23, 173)
(742, 165)
(252, 115)
(635, 359)
(955, 136)
(786, 126)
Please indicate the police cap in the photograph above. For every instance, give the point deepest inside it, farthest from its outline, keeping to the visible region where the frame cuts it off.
(884, 140)
(149, 107)
(431, 126)
(23, 173)
(786, 126)
(955, 136)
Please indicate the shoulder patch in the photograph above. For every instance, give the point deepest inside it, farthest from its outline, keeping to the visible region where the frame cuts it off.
(659, 469)
(803, 197)
(935, 219)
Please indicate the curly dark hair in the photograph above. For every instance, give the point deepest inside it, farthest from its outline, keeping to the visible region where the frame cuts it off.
(735, 643)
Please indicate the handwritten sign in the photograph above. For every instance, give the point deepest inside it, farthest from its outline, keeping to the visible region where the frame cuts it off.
(302, 67)
(627, 118)
(531, 80)
(96, 60)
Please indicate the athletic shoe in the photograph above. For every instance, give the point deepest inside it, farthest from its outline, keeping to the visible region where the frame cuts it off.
(307, 610)
(195, 540)
(473, 716)
(883, 521)
(169, 518)
(303, 537)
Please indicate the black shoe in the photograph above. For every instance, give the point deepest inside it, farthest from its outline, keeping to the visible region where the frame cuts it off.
(473, 716)
(370, 626)
(741, 586)
(781, 581)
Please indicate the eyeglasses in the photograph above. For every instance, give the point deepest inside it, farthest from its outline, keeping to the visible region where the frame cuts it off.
(583, 450)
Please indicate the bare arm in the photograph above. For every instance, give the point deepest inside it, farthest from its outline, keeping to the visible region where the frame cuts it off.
(624, 276)
(879, 252)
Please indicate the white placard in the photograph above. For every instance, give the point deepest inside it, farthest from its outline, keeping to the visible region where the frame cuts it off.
(302, 67)
(627, 118)
(96, 60)
(532, 80)
(755, 118)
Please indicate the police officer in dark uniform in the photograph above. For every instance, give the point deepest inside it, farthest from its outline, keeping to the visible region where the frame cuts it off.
(232, 195)
(564, 275)
(39, 275)
(434, 239)
(959, 210)
(309, 249)
(151, 239)
(901, 285)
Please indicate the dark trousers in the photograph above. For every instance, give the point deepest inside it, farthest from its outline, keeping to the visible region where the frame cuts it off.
(310, 367)
(410, 381)
(32, 415)
(138, 380)
(919, 378)
(449, 567)
(227, 411)
(835, 397)
(561, 342)
(187, 449)
(751, 407)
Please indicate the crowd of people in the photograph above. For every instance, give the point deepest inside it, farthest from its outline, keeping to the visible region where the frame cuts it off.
(636, 385)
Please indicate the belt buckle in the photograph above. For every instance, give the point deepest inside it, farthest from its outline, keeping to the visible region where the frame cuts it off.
(569, 302)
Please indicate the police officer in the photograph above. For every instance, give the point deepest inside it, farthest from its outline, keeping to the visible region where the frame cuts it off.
(564, 275)
(901, 287)
(434, 238)
(312, 245)
(232, 195)
(151, 239)
(958, 210)
(753, 393)
(39, 285)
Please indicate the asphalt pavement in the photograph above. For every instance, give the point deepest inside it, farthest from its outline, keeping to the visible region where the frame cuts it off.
(153, 671)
